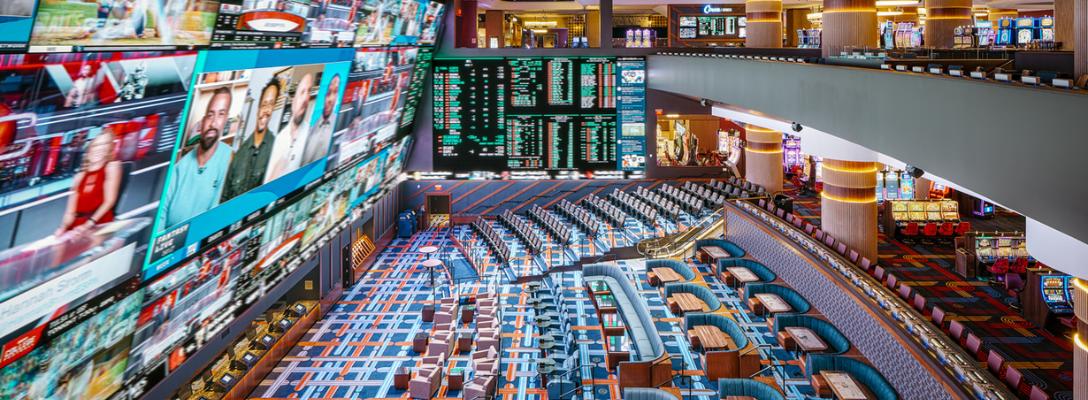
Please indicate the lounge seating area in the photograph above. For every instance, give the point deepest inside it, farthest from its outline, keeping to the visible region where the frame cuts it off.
(731, 248)
(734, 360)
(863, 373)
(764, 274)
(681, 272)
(693, 296)
(747, 387)
(796, 302)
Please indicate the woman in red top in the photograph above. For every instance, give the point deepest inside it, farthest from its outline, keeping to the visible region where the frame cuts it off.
(94, 188)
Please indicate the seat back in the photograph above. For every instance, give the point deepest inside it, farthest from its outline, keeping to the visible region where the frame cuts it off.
(904, 292)
(930, 229)
(962, 228)
(892, 279)
(829, 241)
(781, 213)
(809, 228)
(818, 235)
(919, 303)
(747, 387)
(994, 362)
(797, 222)
(854, 256)
(790, 218)
(841, 248)
(878, 273)
(1013, 281)
(865, 264)
(955, 328)
(1038, 394)
(633, 393)
(1012, 378)
(946, 229)
(938, 317)
(974, 344)
(762, 203)
(911, 229)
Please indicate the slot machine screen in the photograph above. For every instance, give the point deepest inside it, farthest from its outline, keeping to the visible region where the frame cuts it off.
(899, 206)
(1004, 242)
(249, 357)
(916, 206)
(1054, 289)
(285, 322)
(933, 215)
(1069, 288)
(985, 252)
(300, 308)
(1004, 252)
(900, 216)
(267, 339)
(226, 380)
(951, 215)
(918, 216)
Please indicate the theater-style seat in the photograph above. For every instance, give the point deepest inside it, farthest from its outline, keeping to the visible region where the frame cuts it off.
(747, 387)
(861, 371)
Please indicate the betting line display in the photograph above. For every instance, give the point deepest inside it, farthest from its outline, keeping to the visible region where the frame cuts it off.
(553, 114)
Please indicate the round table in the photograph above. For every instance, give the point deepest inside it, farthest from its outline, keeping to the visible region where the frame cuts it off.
(545, 366)
(428, 250)
(545, 342)
(431, 265)
(543, 321)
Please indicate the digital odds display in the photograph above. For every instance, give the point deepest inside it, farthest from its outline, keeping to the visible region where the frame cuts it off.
(553, 114)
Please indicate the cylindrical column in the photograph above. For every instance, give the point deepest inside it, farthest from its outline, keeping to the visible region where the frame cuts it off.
(910, 14)
(764, 23)
(848, 204)
(1080, 30)
(1063, 24)
(468, 16)
(763, 158)
(996, 14)
(942, 18)
(1080, 348)
(848, 23)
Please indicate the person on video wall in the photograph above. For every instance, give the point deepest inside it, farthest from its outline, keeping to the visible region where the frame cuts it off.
(94, 188)
(247, 169)
(317, 147)
(83, 88)
(198, 177)
(287, 153)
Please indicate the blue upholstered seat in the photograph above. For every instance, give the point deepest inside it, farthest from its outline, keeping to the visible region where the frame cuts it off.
(678, 266)
(748, 387)
(639, 323)
(861, 371)
(647, 394)
(765, 274)
(726, 324)
(835, 340)
(726, 245)
(795, 300)
(700, 291)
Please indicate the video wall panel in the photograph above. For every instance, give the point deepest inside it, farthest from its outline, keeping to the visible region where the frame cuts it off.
(16, 21)
(532, 113)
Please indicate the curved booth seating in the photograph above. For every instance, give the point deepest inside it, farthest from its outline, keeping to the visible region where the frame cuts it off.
(765, 274)
(836, 342)
(737, 362)
(645, 370)
(700, 291)
(747, 387)
(726, 245)
(680, 267)
(795, 300)
(861, 371)
(647, 394)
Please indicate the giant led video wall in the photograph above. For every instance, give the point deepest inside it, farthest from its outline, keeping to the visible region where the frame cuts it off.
(63, 26)
(529, 114)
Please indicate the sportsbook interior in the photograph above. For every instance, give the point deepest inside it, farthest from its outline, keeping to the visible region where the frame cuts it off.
(522, 200)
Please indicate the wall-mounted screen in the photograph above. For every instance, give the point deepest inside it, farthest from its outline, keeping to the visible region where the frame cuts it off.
(415, 90)
(373, 103)
(552, 114)
(126, 25)
(258, 128)
(16, 21)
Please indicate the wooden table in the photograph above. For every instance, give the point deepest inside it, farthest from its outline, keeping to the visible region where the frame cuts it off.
(401, 378)
(419, 343)
(772, 303)
(714, 253)
(689, 303)
(846, 387)
(712, 338)
(667, 275)
(742, 275)
(806, 339)
(456, 379)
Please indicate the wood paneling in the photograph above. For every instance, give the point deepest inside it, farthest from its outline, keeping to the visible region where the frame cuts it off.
(849, 204)
(1080, 33)
(942, 18)
(764, 23)
(796, 19)
(763, 158)
(494, 22)
(1063, 23)
(848, 24)
(996, 14)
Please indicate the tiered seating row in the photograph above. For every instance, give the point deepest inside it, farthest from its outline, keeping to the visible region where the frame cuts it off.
(560, 232)
(703, 193)
(524, 233)
(581, 218)
(634, 206)
(691, 204)
(736, 188)
(663, 205)
(605, 210)
(493, 239)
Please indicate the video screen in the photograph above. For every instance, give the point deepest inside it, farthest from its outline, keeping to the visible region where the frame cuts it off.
(432, 20)
(415, 90)
(533, 114)
(258, 128)
(82, 354)
(112, 25)
(16, 21)
(255, 24)
(331, 24)
(373, 103)
(83, 156)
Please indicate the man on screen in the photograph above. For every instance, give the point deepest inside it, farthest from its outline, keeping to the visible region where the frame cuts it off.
(247, 169)
(317, 146)
(198, 177)
(287, 153)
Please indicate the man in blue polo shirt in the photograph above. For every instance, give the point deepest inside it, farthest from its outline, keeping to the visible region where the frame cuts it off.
(199, 175)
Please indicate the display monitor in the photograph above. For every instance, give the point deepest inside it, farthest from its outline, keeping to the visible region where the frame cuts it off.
(373, 103)
(285, 322)
(249, 357)
(226, 380)
(688, 21)
(551, 114)
(261, 123)
(16, 21)
(300, 308)
(126, 25)
(267, 340)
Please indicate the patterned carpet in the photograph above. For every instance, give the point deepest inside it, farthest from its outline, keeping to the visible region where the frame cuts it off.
(1045, 360)
(352, 351)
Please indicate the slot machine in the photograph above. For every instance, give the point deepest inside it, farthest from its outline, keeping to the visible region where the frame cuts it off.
(982, 209)
(1025, 31)
(1046, 299)
(906, 186)
(899, 213)
(1004, 32)
(916, 212)
(957, 38)
(985, 32)
(891, 185)
(889, 35)
(933, 211)
(916, 36)
(950, 211)
(880, 187)
(1046, 28)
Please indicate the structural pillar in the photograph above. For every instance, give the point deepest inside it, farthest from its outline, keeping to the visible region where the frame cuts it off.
(763, 158)
(1080, 347)
(796, 19)
(495, 25)
(593, 28)
(848, 24)
(1063, 23)
(764, 23)
(467, 16)
(848, 205)
(942, 19)
(1080, 33)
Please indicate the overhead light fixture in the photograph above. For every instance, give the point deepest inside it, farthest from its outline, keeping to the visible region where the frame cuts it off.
(921, 10)
(888, 13)
(815, 15)
(981, 14)
(892, 3)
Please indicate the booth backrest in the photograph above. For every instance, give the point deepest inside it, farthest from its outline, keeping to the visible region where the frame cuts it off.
(647, 394)
(639, 322)
(700, 291)
(839, 344)
(795, 300)
(748, 387)
(726, 245)
(677, 266)
(765, 274)
(726, 324)
(858, 369)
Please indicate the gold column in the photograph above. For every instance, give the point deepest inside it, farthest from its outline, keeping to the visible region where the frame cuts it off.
(942, 18)
(593, 28)
(763, 157)
(1080, 348)
(764, 23)
(848, 204)
(848, 23)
